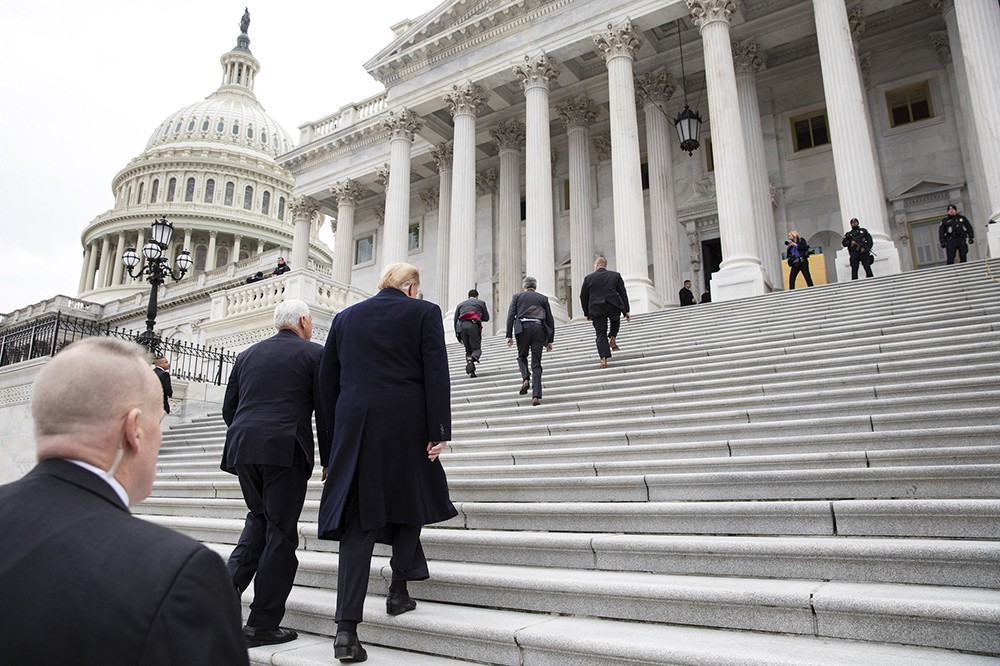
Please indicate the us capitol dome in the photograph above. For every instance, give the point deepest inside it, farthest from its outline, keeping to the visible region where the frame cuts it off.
(211, 169)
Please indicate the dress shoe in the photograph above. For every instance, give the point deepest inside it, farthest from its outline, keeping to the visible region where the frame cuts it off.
(470, 368)
(525, 385)
(257, 637)
(398, 603)
(347, 647)
(604, 362)
(472, 375)
(614, 345)
(535, 402)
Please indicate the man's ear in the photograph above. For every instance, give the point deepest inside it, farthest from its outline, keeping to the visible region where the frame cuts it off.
(132, 434)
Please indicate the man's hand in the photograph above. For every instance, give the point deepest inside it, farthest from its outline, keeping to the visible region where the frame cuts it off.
(434, 449)
(548, 348)
(324, 475)
(511, 342)
(628, 317)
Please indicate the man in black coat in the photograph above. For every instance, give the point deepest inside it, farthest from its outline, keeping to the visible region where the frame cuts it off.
(81, 579)
(270, 399)
(685, 294)
(955, 234)
(529, 317)
(859, 246)
(161, 366)
(281, 268)
(387, 396)
(469, 317)
(604, 299)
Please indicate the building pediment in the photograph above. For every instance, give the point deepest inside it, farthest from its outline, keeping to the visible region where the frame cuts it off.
(925, 185)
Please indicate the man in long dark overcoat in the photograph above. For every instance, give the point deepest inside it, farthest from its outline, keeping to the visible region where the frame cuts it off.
(387, 395)
(604, 301)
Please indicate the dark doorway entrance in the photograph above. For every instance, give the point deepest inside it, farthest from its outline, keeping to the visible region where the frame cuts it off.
(711, 259)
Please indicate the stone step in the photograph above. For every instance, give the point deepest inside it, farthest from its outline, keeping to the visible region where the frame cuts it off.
(315, 650)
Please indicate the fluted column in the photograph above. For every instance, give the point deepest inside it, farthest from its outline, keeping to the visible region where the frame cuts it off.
(141, 240)
(87, 269)
(740, 274)
(105, 261)
(303, 210)
(618, 45)
(654, 91)
(210, 259)
(346, 192)
(116, 278)
(442, 155)
(464, 103)
(578, 115)
(402, 126)
(859, 178)
(260, 246)
(535, 75)
(509, 139)
(748, 58)
(979, 31)
(237, 246)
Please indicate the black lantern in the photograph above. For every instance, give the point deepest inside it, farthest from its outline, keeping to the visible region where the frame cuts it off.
(688, 122)
(156, 270)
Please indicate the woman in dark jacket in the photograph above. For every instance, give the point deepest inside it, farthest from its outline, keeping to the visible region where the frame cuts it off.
(798, 259)
(386, 392)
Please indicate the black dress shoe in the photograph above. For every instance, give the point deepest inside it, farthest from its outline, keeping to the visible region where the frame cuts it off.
(470, 368)
(347, 647)
(257, 637)
(525, 385)
(397, 604)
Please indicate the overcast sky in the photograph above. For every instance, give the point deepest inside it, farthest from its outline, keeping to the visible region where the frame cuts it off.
(83, 85)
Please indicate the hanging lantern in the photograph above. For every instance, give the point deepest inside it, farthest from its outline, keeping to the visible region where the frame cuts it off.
(688, 125)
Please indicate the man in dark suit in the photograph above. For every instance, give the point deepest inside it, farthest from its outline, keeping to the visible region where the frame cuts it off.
(529, 317)
(604, 300)
(685, 294)
(387, 396)
(82, 580)
(161, 366)
(469, 317)
(270, 399)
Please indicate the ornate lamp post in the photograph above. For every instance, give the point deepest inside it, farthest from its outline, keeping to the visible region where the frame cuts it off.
(156, 269)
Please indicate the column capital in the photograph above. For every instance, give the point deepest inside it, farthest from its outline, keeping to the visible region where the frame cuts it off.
(442, 155)
(237, 237)
(508, 135)
(430, 197)
(213, 234)
(486, 182)
(537, 71)
(402, 124)
(942, 6)
(468, 99)
(379, 214)
(704, 12)
(602, 144)
(303, 207)
(658, 86)
(942, 45)
(333, 225)
(382, 176)
(620, 40)
(578, 112)
(748, 57)
(347, 192)
(856, 20)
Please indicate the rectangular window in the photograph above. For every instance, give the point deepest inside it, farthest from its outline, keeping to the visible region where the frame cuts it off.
(910, 104)
(644, 175)
(709, 156)
(810, 130)
(524, 209)
(364, 250)
(566, 195)
(413, 236)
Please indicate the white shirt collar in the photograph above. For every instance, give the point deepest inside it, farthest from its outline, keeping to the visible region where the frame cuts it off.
(110, 480)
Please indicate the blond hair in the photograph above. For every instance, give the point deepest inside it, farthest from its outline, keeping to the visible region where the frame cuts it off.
(794, 235)
(399, 276)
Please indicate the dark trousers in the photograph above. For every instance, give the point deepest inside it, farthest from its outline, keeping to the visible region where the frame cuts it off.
(356, 546)
(531, 339)
(956, 247)
(600, 323)
(855, 262)
(794, 273)
(472, 337)
(266, 549)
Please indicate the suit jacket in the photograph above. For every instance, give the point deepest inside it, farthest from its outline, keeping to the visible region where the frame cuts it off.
(474, 305)
(168, 389)
(603, 294)
(85, 582)
(530, 304)
(387, 393)
(272, 394)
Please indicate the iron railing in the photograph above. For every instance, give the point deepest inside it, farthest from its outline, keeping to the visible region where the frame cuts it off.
(46, 335)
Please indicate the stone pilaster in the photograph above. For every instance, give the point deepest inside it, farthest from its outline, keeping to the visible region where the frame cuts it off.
(402, 127)
(303, 210)
(509, 139)
(237, 246)
(578, 115)
(213, 237)
(346, 192)
(442, 155)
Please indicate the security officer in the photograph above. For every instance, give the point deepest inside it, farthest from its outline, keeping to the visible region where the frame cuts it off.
(859, 244)
(953, 233)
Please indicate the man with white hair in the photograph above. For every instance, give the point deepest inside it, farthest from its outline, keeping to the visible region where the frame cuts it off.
(270, 400)
(83, 581)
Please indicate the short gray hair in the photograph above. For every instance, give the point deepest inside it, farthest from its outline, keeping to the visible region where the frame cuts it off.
(287, 313)
(529, 282)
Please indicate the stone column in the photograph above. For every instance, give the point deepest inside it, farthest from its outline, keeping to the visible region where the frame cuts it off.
(346, 192)
(237, 246)
(402, 127)
(618, 45)
(213, 237)
(740, 274)
(87, 270)
(141, 240)
(464, 103)
(303, 210)
(979, 31)
(654, 91)
(748, 59)
(509, 139)
(859, 178)
(578, 115)
(442, 155)
(187, 240)
(105, 262)
(116, 278)
(260, 246)
(535, 75)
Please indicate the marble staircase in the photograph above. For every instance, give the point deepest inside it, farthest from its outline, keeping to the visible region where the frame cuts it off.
(807, 477)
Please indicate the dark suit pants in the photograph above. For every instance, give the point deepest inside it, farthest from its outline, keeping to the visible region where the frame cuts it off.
(356, 546)
(266, 549)
(957, 248)
(472, 338)
(794, 274)
(531, 339)
(600, 323)
(855, 262)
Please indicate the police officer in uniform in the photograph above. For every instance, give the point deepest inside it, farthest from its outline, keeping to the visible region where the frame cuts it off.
(859, 244)
(955, 234)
